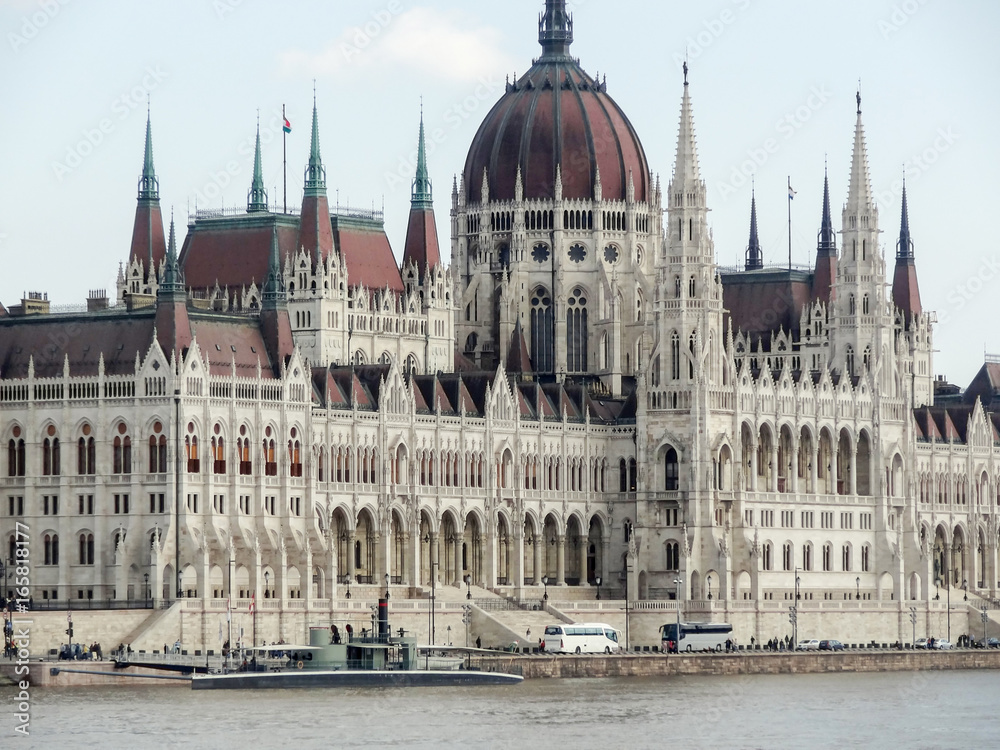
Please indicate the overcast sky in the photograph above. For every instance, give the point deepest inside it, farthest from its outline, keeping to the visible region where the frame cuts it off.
(773, 84)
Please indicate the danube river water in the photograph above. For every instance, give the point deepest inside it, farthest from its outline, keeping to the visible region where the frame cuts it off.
(898, 710)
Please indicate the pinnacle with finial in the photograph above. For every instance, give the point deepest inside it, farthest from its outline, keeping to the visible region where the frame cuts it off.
(905, 247)
(422, 194)
(149, 185)
(315, 181)
(257, 198)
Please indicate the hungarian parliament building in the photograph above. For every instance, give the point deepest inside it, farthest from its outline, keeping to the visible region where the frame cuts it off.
(273, 406)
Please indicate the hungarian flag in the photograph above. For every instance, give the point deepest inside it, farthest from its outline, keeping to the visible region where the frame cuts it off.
(253, 602)
(287, 127)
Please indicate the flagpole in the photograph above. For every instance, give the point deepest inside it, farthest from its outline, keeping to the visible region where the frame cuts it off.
(284, 161)
(789, 222)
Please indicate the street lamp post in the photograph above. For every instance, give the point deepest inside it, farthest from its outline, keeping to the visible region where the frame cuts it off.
(858, 582)
(708, 579)
(598, 582)
(145, 577)
(267, 584)
(545, 583)
(468, 587)
(913, 622)
(449, 635)
(985, 617)
(347, 580)
(965, 588)
(677, 636)
(387, 587)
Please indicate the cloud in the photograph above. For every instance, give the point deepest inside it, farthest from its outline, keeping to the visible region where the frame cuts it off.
(443, 44)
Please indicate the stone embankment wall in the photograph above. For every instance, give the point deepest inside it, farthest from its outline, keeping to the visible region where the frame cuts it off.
(660, 665)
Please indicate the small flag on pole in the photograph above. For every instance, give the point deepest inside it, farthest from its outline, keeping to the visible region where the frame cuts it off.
(287, 127)
(791, 193)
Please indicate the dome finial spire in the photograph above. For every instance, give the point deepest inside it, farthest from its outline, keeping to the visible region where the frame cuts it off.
(555, 30)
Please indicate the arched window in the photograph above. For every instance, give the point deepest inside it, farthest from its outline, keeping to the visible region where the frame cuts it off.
(243, 454)
(50, 455)
(86, 456)
(673, 556)
(51, 549)
(675, 356)
(670, 470)
(122, 458)
(541, 331)
(191, 448)
(157, 454)
(692, 288)
(218, 454)
(849, 361)
(15, 457)
(270, 460)
(294, 457)
(86, 549)
(576, 332)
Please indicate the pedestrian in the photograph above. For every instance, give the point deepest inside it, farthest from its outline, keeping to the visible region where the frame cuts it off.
(752, 642)
(479, 642)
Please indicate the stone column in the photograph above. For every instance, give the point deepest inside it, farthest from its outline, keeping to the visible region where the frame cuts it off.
(561, 560)
(488, 548)
(350, 555)
(853, 475)
(793, 470)
(582, 545)
(813, 467)
(307, 578)
(606, 560)
(538, 571)
(155, 575)
(754, 469)
(435, 562)
(772, 460)
(406, 564)
(206, 574)
(457, 551)
(516, 559)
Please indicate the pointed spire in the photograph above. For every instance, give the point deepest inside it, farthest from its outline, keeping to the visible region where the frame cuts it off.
(422, 246)
(859, 196)
(274, 286)
(149, 186)
(422, 195)
(173, 280)
(905, 247)
(555, 30)
(315, 178)
(257, 198)
(755, 257)
(686, 167)
(827, 241)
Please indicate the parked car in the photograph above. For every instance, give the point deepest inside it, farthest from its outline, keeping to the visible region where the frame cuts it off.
(808, 645)
(921, 643)
(831, 645)
(991, 643)
(942, 644)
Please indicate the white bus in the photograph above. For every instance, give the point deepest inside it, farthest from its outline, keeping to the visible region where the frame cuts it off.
(696, 636)
(581, 638)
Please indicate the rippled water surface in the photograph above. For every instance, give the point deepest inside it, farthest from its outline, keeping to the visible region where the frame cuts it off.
(900, 710)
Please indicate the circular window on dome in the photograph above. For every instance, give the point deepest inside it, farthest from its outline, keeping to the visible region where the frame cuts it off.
(611, 254)
(577, 253)
(540, 253)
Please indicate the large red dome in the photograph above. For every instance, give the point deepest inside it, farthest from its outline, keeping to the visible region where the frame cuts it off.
(556, 114)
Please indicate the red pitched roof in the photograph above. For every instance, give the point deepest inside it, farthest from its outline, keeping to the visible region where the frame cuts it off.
(368, 255)
(421, 240)
(233, 254)
(148, 243)
(905, 292)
